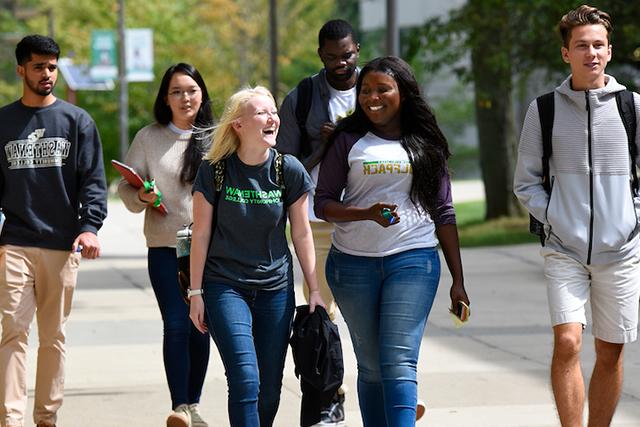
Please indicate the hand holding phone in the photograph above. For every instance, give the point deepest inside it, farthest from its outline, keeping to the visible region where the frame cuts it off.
(386, 212)
(461, 314)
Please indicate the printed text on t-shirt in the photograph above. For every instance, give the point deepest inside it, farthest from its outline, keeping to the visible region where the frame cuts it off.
(386, 166)
(252, 197)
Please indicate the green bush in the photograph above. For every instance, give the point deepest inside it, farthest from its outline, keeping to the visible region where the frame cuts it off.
(475, 231)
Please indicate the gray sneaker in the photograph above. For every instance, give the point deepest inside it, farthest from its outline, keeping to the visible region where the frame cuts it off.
(180, 417)
(196, 418)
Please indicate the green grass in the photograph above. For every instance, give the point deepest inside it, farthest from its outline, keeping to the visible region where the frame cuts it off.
(475, 231)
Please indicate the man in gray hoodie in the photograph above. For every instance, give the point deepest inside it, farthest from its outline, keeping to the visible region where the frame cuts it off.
(590, 217)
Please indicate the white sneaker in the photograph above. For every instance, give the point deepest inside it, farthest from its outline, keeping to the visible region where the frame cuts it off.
(180, 417)
(196, 418)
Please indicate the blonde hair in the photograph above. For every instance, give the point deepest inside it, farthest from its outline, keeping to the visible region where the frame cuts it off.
(224, 139)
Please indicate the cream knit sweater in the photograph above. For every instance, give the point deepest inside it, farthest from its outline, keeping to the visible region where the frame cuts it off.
(156, 153)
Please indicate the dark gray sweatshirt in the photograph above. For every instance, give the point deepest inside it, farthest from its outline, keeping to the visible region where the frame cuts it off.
(52, 182)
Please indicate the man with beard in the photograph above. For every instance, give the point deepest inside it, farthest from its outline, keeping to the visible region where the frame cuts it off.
(327, 96)
(53, 194)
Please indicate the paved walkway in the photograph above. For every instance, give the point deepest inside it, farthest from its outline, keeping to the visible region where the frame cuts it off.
(491, 373)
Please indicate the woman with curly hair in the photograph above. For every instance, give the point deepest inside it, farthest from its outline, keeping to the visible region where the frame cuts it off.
(384, 183)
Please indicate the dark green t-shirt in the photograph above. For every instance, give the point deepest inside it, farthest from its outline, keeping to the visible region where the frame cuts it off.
(249, 247)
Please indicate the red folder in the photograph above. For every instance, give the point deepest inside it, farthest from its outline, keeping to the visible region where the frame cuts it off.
(136, 181)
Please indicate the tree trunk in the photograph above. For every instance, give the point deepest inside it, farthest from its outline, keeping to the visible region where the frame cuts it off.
(491, 67)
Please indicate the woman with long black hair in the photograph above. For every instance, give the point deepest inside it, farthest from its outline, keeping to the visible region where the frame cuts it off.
(169, 153)
(384, 183)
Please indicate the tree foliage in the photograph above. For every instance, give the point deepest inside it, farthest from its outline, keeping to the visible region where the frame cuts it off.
(497, 45)
(227, 40)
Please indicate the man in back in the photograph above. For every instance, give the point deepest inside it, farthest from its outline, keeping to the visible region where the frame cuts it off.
(53, 193)
(590, 218)
(308, 116)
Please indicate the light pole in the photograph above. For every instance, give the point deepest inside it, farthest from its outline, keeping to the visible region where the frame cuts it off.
(124, 88)
(393, 35)
(273, 49)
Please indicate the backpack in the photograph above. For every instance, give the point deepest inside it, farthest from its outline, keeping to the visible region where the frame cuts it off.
(303, 106)
(546, 109)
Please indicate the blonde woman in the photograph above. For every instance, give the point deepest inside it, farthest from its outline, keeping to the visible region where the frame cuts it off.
(240, 262)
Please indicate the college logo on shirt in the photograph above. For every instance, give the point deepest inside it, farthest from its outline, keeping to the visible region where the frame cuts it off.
(252, 197)
(386, 167)
(36, 151)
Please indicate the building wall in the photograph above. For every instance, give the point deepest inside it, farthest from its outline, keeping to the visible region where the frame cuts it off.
(410, 12)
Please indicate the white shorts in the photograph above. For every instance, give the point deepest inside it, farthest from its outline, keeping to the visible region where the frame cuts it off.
(614, 290)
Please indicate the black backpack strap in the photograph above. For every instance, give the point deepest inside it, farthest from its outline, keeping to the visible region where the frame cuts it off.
(627, 110)
(218, 177)
(546, 111)
(303, 105)
(278, 164)
(218, 174)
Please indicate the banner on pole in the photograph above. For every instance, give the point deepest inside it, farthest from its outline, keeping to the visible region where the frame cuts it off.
(104, 65)
(139, 54)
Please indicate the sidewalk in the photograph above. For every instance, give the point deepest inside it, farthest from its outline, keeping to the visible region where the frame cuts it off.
(491, 373)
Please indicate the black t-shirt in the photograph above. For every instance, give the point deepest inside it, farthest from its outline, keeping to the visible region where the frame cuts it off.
(249, 247)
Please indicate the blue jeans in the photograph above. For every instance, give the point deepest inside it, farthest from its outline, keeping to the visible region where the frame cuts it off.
(185, 350)
(385, 302)
(251, 329)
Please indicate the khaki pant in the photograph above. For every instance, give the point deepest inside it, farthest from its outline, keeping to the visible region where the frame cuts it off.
(41, 282)
(322, 232)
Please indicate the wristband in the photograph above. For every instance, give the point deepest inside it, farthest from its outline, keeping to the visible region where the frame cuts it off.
(148, 185)
(192, 292)
(158, 199)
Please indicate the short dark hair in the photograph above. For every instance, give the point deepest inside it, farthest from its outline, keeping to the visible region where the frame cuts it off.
(336, 29)
(204, 118)
(583, 15)
(35, 43)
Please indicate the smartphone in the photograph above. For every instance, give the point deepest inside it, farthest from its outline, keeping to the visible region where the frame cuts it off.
(461, 313)
(386, 212)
